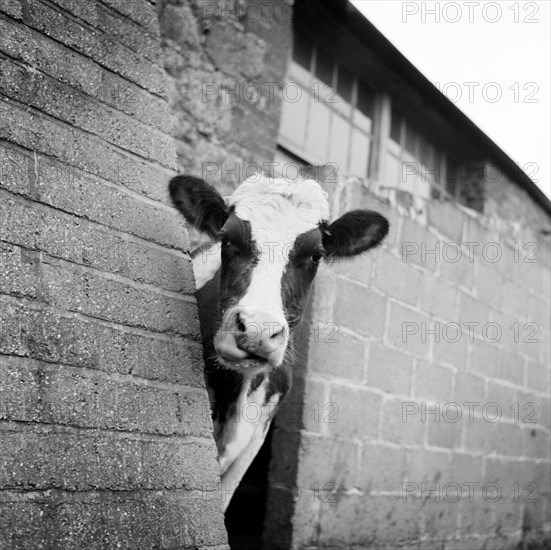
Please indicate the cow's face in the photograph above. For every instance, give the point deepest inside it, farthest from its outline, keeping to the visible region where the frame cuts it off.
(271, 236)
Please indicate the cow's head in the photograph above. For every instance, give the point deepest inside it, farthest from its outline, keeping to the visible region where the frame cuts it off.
(271, 235)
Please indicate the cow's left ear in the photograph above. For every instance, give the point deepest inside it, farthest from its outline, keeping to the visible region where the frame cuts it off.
(354, 233)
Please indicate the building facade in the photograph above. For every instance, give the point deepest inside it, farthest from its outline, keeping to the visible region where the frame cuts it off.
(420, 414)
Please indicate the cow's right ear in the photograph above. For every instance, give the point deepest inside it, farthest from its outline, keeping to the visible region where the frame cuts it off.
(200, 203)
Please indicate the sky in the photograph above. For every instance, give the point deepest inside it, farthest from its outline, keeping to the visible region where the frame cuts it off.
(492, 59)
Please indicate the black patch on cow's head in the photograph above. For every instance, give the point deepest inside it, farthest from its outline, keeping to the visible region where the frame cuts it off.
(199, 202)
(353, 233)
(299, 273)
(240, 255)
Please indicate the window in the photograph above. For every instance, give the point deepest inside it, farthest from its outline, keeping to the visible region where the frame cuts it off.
(413, 163)
(327, 111)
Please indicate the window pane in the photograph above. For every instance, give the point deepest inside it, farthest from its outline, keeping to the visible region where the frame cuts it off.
(365, 99)
(393, 172)
(395, 126)
(359, 154)
(345, 80)
(302, 50)
(317, 139)
(339, 147)
(410, 173)
(294, 112)
(324, 67)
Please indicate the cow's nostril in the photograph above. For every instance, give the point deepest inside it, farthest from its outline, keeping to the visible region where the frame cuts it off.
(240, 324)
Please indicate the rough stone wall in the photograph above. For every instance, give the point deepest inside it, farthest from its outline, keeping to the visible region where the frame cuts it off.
(413, 430)
(227, 61)
(105, 443)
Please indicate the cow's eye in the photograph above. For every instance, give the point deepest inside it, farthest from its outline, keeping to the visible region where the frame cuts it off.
(316, 257)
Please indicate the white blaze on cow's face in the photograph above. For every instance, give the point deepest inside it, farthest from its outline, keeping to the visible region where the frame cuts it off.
(260, 267)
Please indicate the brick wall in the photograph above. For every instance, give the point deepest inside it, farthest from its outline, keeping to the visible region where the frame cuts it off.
(104, 440)
(378, 454)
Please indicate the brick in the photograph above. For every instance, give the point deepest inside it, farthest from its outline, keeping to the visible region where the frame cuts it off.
(314, 417)
(452, 347)
(40, 459)
(479, 235)
(479, 436)
(61, 101)
(406, 330)
(538, 377)
(341, 355)
(429, 467)
(504, 396)
(460, 271)
(535, 442)
(509, 367)
(432, 382)
(359, 268)
(509, 516)
(447, 219)
(446, 430)
(483, 358)
(389, 370)
(400, 427)
(57, 338)
(508, 439)
(516, 300)
(469, 388)
(13, 8)
(473, 314)
(437, 298)
(539, 312)
(382, 468)
(339, 468)
(359, 309)
(323, 296)
(396, 278)
(466, 468)
(19, 390)
(83, 151)
(20, 272)
(506, 471)
(75, 289)
(419, 245)
(440, 518)
(358, 412)
(92, 399)
(476, 516)
(512, 333)
(489, 284)
(134, 11)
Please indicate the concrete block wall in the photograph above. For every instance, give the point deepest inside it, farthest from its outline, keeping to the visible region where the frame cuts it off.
(424, 412)
(104, 440)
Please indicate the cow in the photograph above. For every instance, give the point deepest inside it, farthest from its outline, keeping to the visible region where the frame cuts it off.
(253, 276)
